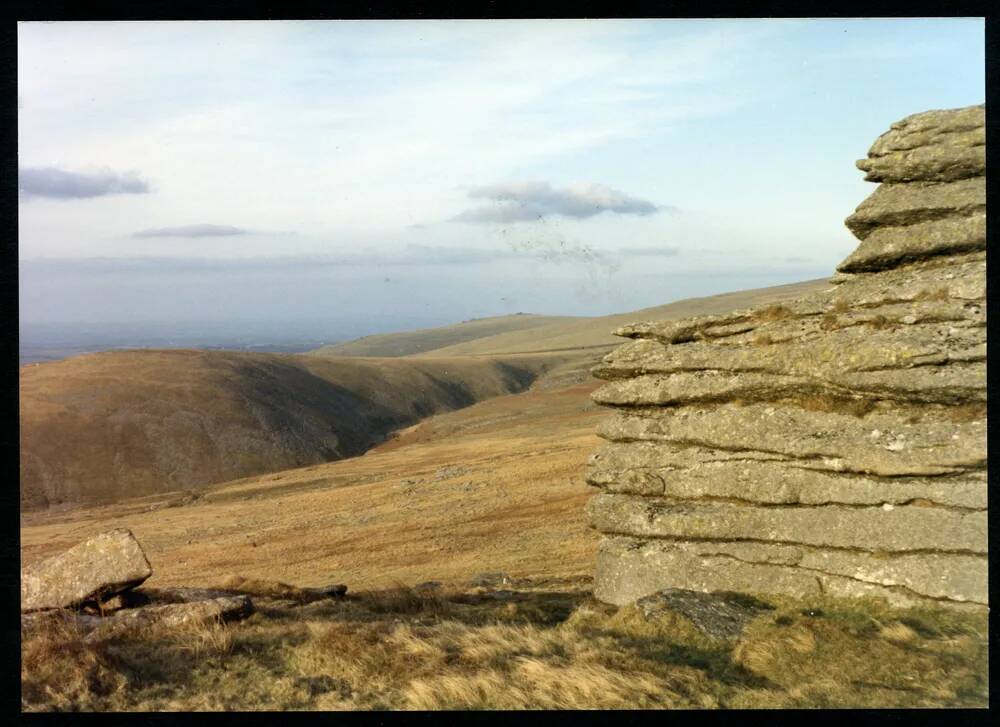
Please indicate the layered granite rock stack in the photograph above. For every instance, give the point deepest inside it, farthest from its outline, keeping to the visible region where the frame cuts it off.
(835, 444)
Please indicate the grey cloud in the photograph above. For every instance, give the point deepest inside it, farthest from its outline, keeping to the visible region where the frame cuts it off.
(524, 201)
(56, 183)
(192, 231)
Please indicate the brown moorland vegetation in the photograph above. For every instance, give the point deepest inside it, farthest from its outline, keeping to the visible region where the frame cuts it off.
(548, 645)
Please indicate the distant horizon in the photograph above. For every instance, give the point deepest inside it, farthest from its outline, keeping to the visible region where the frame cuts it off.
(41, 341)
(446, 170)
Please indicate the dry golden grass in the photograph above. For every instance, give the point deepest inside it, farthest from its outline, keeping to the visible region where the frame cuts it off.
(776, 312)
(402, 599)
(864, 656)
(497, 486)
(536, 648)
(829, 322)
(59, 672)
(428, 339)
(898, 632)
(880, 322)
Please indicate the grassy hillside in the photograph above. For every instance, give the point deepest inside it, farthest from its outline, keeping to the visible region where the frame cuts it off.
(495, 487)
(503, 477)
(119, 424)
(592, 333)
(407, 343)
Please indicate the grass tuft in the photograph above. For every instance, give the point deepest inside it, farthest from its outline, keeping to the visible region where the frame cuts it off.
(772, 313)
(829, 322)
(880, 322)
(61, 672)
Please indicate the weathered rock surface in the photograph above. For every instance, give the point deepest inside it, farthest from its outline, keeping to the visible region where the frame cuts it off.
(831, 444)
(94, 570)
(651, 469)
(172, 615)
(879, 443)
(630, 568)
(933, 146)
(881, 529)
(145, 614)
(718, 615)
(899, 205)
(887, 246)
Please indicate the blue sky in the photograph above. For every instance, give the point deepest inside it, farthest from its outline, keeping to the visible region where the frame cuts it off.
(249, 170)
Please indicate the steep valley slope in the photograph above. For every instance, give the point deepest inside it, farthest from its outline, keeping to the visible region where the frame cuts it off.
(103, 427)
(495, 486)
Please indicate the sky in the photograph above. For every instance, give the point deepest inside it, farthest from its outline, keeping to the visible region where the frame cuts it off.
(434, 171)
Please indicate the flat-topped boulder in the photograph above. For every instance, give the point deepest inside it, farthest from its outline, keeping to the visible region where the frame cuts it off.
(900, 205)
(94, 570)
(933, 146)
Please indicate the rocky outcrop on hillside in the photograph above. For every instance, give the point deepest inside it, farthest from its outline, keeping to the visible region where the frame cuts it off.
(92, 588)
(833, 444)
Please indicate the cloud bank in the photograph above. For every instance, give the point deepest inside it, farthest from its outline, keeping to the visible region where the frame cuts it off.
(203, 230)
(55, 183)
(524, 201)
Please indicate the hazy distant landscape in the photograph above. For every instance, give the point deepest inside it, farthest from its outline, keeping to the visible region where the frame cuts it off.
(53, 341)
(527, 364)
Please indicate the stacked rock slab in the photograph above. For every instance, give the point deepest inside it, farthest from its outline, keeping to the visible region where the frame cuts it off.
(835, 444)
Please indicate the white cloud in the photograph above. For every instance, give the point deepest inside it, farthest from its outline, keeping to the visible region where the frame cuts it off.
(282, 136)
